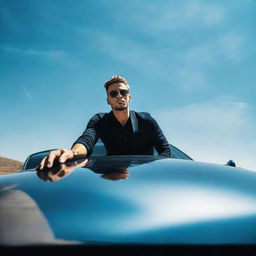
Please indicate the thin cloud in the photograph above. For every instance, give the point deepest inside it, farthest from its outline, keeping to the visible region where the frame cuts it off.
(228, 46)
(173, 15)
(131, 53)
(192, 73)
(53, 55)
(213, 131)
(190, 80)
(209, 14)
(27, 93)
(233, 46)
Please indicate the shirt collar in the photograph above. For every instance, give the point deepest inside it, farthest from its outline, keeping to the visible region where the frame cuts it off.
(133, 118)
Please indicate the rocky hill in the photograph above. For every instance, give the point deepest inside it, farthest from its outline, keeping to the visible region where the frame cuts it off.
(8, 165)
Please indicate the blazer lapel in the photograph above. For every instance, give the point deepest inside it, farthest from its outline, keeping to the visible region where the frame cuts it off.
(135, 130)
(134, 122)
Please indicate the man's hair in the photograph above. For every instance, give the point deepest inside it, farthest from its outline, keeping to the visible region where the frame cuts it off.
(115, 79)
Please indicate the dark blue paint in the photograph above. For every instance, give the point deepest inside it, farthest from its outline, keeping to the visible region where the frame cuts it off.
(85, 207)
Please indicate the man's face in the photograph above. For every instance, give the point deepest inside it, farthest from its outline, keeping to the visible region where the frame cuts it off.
(118, 96)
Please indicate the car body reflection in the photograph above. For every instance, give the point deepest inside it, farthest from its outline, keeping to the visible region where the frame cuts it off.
(112, 167)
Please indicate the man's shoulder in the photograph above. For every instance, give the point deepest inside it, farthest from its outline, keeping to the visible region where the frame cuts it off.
(99, 116)
(142, 115)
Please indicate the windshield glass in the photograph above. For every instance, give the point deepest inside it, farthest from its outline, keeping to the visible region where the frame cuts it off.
(99, 150)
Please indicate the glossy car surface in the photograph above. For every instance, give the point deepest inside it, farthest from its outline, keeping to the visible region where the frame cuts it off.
(141, 200)
(33, 160)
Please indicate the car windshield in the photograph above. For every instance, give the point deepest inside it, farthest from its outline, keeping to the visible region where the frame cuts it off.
(34, 160)
(99, 150)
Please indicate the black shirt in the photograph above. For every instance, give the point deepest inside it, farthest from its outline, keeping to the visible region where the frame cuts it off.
(139, 136)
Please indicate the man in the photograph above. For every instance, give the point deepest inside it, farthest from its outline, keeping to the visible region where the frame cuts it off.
(122, 131)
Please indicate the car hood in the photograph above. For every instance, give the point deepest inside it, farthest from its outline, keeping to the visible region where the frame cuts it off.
(137, 200)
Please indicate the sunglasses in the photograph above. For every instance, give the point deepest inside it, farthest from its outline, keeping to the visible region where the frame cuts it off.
(113, 94)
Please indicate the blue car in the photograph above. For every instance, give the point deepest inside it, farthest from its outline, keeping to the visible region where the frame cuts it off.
(131, 200)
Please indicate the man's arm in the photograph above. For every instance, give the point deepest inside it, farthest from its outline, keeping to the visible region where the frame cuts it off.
(82, 146)
(160, 142)
(89, 137)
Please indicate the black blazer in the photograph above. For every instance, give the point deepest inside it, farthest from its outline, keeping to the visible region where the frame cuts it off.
(139, 136)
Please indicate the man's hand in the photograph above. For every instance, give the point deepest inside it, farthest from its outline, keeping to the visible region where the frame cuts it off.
(58, 172)
(60, 155)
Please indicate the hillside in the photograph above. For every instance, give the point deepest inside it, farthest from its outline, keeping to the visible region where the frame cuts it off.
(8, 165)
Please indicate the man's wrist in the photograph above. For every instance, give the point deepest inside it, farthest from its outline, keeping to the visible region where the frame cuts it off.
(79, 149)
(75, 152)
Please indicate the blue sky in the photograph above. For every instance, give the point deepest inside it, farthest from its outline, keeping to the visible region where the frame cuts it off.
(191, 64)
